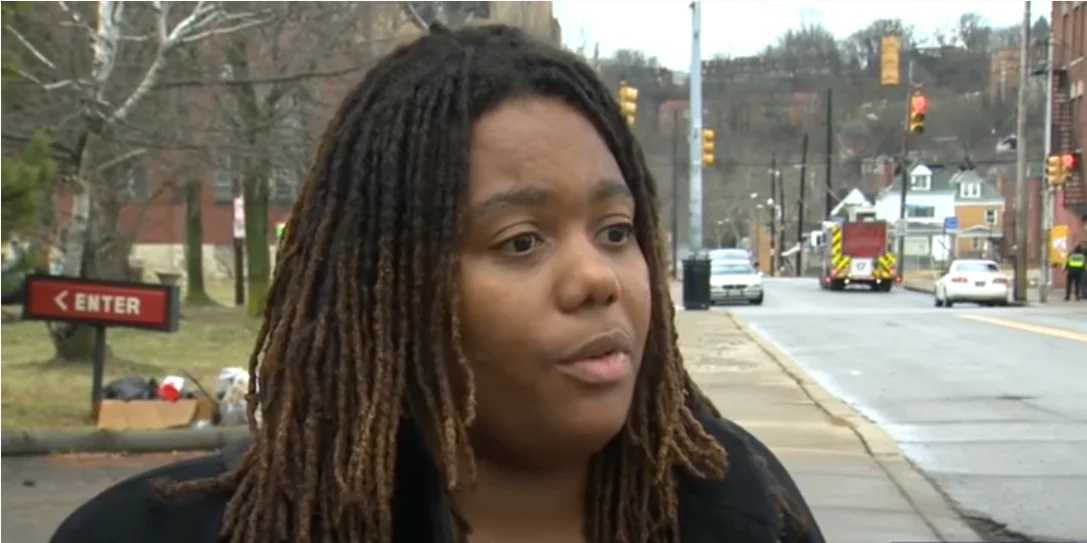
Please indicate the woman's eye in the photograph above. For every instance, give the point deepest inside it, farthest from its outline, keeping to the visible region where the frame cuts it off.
(618, 234)
(521, 244)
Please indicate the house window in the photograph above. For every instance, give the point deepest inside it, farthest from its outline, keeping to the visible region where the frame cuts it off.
(222, 182)
(990, 216)
(920, 212)
(920, 182)
(971, 190)
(137, 184)
(284, 186)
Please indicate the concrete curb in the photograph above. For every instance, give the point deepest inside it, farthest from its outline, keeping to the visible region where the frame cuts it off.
(915, 288)
(929, 503)
(31, 442)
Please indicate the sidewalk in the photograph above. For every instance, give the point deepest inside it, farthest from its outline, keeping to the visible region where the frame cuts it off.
(859, 486)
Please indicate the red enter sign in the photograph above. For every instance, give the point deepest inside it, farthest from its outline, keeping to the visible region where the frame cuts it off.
(104, 303)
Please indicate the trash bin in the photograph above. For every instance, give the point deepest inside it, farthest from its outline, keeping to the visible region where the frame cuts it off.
(696, 283)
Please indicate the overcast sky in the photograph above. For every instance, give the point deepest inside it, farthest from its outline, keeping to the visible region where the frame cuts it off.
(662, 28)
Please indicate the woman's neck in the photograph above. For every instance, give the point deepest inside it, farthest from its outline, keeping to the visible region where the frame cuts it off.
(508, 504)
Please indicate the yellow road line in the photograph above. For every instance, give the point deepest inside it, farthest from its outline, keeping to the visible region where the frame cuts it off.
(1044, 330)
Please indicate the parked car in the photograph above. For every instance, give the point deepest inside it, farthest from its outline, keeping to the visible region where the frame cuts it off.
(730, 254)
(735, 281)
(972, 280)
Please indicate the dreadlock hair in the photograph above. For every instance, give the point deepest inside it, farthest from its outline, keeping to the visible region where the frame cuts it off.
(361, 329)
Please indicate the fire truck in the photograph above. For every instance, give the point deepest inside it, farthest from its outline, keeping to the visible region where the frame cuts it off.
(858, 251)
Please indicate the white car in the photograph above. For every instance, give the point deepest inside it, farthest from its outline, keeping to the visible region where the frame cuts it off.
(735, 281)
(730, 254)
(975, 281)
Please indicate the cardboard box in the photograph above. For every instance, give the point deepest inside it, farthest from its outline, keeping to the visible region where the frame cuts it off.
(153, 414)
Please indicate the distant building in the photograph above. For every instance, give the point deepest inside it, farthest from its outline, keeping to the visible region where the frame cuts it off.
(979, 210)
(1069, 23)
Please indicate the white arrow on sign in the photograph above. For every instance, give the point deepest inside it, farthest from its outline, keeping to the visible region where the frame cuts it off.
(59, 299)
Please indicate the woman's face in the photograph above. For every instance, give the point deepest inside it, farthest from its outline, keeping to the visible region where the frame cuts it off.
(554, 287)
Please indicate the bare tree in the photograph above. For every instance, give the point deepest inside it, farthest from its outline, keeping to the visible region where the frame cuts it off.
(271, 90)
(96, 64)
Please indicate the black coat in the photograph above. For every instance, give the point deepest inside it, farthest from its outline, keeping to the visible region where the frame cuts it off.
(740, 509)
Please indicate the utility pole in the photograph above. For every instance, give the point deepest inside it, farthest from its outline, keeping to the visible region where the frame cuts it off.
(695, 191)
(829, 206)
(1021, 215)
(800, 204)
(1047, 194)
(676, 171)
(905, 176)
(781, 202)
(775, 252)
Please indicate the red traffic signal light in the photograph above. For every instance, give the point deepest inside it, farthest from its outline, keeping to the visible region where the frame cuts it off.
(1068, 161)
(918, 103)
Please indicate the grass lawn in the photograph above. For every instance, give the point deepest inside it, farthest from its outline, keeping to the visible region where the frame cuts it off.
(37, 394)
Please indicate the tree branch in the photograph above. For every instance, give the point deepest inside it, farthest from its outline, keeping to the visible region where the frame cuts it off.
(191, 28)
(136, 153)
(413, 14)
(30, 47)
(270, 80)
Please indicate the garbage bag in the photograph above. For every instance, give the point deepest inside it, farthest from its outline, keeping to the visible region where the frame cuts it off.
(232, 406)
(129, 388)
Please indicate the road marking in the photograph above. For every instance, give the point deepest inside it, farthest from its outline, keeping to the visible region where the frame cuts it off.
(1044, 330)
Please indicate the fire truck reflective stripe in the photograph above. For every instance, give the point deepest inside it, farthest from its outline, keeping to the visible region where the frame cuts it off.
(885, 265)
(843, 266)
(838, 261)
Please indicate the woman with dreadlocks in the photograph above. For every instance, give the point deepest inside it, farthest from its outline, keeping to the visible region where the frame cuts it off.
(469, 338)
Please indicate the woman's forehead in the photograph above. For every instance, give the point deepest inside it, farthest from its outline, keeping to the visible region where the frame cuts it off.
(541, 140)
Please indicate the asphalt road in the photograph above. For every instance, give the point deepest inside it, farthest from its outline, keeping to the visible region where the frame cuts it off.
(40, 491)
(989, 402)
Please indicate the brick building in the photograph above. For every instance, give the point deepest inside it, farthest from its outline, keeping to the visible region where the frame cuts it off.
(1069, 23)
(160, 214)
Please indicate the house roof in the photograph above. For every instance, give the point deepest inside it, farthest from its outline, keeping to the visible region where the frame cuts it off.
(941, 181)
(850, 197)
(921, 169)
(988, 191)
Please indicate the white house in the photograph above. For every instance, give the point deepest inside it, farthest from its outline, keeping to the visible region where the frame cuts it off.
(853, 205)
(930, 198)
(929, 201)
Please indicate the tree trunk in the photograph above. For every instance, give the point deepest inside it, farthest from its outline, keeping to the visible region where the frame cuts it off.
(258, 261)
(196, 293)
(75, 342)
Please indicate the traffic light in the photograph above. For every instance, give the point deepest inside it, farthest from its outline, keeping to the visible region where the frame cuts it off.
(1071, 163)
(1054, 169)
(628, 102)
(281, 227)
(707, 147)
(918, 105)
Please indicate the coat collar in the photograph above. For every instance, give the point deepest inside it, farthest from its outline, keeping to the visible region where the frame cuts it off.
(741, 507)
